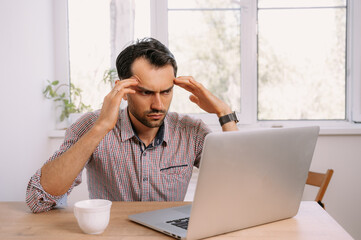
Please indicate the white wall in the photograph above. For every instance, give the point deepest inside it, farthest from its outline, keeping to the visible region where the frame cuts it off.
(26, 62)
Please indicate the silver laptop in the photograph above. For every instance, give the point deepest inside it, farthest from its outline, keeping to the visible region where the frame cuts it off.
(246, 178)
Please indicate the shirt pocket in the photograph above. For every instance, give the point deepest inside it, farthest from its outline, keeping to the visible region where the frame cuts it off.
(175, 169)
(175, 179)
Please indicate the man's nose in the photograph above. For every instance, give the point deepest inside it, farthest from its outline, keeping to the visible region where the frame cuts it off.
(157, 102)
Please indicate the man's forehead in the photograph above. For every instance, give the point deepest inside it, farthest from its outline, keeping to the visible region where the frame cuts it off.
(151, 77)
(143, 65)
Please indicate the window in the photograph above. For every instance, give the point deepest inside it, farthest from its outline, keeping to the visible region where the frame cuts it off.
(269, 60)
(296, 57)
(89, 48)
(204, 36)
(98, 30)
(301, 60)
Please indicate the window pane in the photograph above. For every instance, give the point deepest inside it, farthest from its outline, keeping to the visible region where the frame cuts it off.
(206, 45)
(301, 64)
(89, 47)
(300, 3)
(141, 19)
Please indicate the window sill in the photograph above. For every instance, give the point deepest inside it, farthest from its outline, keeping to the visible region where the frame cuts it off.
(334, 129)
(56, 134)
(327, 128)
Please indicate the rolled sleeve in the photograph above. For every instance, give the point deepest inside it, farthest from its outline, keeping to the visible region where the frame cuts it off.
(37, 198)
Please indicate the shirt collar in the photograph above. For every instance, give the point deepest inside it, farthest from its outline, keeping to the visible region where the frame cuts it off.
(166, 130)
(126, 129)
(128, 132)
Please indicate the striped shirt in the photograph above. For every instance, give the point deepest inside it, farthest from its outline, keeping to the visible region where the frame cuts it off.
(122, 169)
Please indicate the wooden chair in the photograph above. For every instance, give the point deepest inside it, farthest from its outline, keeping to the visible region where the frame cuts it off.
(320, 180)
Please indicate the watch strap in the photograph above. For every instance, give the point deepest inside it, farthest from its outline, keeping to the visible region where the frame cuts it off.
(228, 118)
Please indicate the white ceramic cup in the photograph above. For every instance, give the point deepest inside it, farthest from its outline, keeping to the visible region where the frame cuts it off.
(93, 215)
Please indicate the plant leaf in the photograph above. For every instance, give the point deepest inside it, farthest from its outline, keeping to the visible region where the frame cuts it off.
(54, 83)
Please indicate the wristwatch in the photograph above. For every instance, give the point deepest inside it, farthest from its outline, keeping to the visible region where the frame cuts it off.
(228, 118)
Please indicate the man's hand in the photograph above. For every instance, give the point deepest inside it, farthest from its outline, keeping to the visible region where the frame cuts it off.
(206, 100)
(110, 109)
(202, 96)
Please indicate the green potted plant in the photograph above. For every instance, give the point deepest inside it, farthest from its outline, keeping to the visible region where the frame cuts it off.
(57, 92)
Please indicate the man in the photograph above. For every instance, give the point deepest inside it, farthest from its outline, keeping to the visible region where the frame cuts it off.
(141, 153)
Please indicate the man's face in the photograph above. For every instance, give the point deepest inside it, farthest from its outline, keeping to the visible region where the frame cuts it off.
(150, 104)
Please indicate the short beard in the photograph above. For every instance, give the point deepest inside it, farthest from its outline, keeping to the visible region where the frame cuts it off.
(143, 119)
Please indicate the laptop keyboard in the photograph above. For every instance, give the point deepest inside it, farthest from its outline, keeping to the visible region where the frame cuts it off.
(182, 222)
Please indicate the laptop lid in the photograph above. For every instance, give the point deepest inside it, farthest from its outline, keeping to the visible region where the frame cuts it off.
(246, 178)
(250, 178)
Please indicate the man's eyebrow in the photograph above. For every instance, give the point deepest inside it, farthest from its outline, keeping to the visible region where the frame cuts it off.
(168, 89)
(143, 89)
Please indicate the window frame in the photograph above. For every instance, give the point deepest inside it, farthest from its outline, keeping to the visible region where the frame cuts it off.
(354, 59)
(248, 114)
(61, 43)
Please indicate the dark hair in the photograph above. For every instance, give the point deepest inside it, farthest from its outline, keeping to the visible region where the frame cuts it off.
(149, 48)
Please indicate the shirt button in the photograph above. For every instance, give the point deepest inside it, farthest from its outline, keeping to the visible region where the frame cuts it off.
(145, 154)
(145, 179)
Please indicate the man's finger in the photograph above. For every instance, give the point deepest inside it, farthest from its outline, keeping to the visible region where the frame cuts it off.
(194, 99)
(136, 78)
(184, 82)
(191, 82)
(195, 83)
(127, 84)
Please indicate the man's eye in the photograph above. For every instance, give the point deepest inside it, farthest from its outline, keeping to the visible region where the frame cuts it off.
(146, 93)
(167, 92)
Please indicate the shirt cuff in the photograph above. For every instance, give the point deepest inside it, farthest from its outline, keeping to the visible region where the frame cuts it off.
(39, 200)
